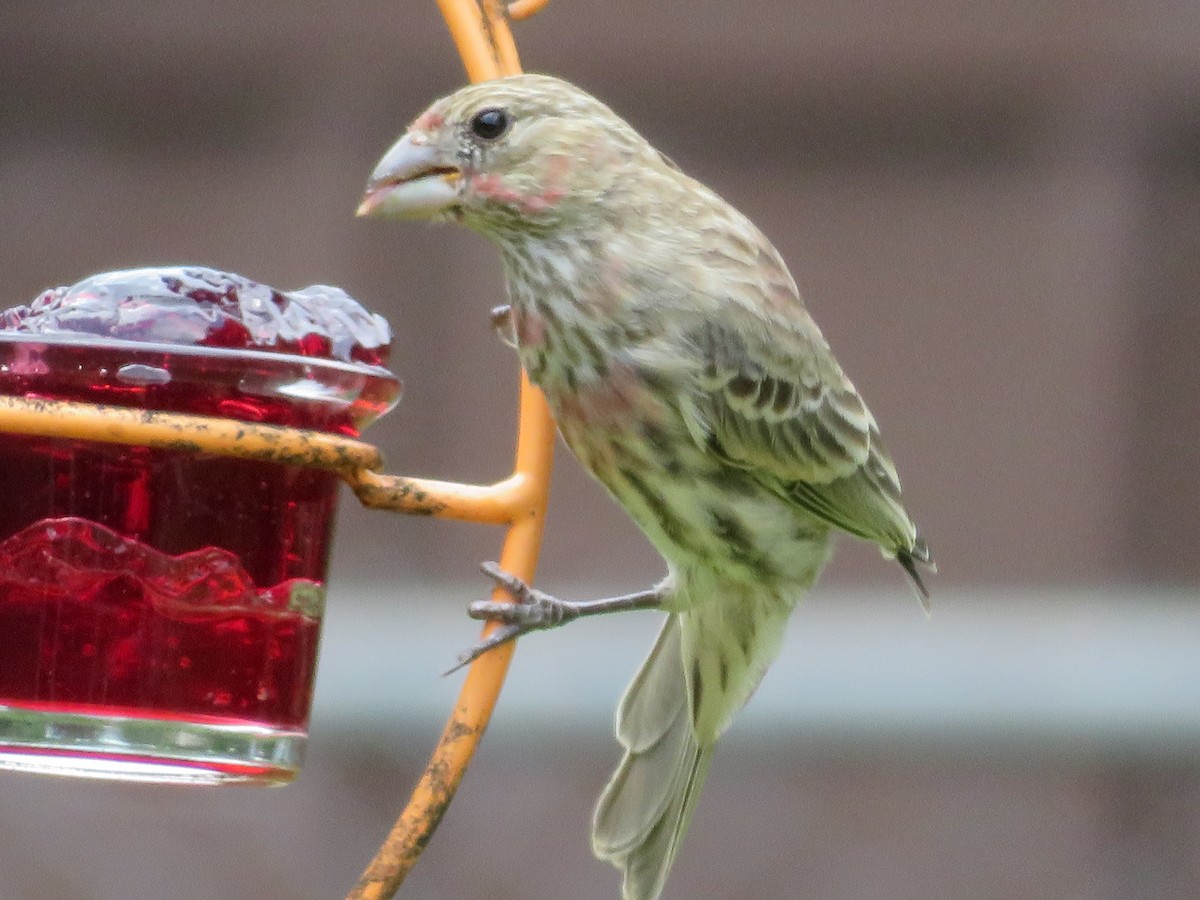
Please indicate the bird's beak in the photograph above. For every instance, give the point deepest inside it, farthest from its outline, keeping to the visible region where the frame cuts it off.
(414, 180)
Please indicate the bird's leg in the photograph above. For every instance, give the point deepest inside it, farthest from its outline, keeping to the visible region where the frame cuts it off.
(536, 610)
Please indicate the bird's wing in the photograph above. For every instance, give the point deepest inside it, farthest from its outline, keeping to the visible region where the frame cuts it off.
(768, 396)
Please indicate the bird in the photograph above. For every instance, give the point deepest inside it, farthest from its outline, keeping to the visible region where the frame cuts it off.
(685, 373)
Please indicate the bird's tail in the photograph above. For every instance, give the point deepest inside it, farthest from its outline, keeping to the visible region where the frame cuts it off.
(646, 808)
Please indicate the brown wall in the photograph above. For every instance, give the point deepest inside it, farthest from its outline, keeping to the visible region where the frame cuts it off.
(994, 219)
(994, 212)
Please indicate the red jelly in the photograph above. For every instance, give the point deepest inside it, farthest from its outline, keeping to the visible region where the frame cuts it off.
(161, 608)
(141, 630)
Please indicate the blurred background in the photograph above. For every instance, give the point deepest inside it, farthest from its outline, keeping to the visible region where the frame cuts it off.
(994, 213)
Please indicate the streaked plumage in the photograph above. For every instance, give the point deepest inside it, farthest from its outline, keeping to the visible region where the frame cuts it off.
(686, 375)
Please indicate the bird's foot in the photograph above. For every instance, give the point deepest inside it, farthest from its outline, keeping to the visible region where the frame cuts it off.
(536, 610)
(533, 610)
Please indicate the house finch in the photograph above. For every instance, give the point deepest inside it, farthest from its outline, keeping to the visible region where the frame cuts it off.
(686, 375)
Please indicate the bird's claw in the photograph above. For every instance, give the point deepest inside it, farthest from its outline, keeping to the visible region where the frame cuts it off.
(502, 324)
(493, 640)
(532, 610)
(500, 315)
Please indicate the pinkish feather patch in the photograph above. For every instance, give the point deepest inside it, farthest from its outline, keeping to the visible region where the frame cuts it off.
(610, 401)
(531, 329)
(491, 186)
(429, 121)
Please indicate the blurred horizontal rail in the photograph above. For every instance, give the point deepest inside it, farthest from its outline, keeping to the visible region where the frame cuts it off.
(1118, 670)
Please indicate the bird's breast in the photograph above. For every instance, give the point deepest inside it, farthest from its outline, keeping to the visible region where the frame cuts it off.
(619, 398)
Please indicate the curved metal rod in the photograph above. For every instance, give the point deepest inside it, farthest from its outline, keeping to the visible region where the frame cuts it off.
(72, 420)
(357, 462)
(484, 40)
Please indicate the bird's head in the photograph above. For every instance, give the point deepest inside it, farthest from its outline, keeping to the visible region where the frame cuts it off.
(524, 153)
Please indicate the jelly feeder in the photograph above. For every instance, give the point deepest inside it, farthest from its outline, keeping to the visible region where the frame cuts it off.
(161, 606)
(172, 443)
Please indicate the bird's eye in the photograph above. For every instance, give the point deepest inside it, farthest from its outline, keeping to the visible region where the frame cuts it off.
(490, 123)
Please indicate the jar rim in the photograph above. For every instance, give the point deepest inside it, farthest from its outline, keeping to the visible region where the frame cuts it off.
(82, 339)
